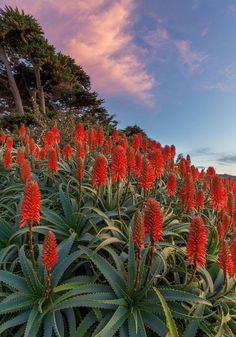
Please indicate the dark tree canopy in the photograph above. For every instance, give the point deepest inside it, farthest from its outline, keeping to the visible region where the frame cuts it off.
(43, 82)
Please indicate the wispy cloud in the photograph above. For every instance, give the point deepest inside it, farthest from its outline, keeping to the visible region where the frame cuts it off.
(205, 31)
(221, 86)
(227, 159)
(225, 81)
(157, 38)
(99, 34)
(160, 38)
(192, 58)
(231, 9)
(196, 4)
(203, 151)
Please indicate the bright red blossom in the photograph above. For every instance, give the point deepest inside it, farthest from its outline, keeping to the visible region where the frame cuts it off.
(199, 200)
(79, 133)
(210, 172)
(218, 193)
(80, 150)
(100, 137)
(99, 176)
(119, 164)
(22, 131)
(30, 209)
(146, 177)
(115, 136)
(50, 255)
(20, 156)
(9, 143)
(225, 261)
(52, 161)
(80, 169)
(171, 184)
(157, 161)
(130, 159)
(25, 170)
(8, 159)
(233, 254)
(153, 220)
(2, 137)
(187, 193)
(196, 246)
(67, 151)
(56, 134)
(138, 164)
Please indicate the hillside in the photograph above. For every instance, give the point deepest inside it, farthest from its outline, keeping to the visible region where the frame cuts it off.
(109, 236)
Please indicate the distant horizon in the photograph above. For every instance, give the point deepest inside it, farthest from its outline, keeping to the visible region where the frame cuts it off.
(168, 67)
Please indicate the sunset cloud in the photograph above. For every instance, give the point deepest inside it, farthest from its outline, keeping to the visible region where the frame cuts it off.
(193, 59)
(99, 35)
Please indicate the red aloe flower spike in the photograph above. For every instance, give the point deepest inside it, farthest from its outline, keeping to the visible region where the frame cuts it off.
(2, 137)
(49, 258)
(32, 146)
(8, 159)
(146, 177)
(56, 134)
(210, 172)
(196, 246)
(138, 164)
(80, 169)
(118, 165)
(171, 185)
(9, 143)
(153, 220)
(100, 137)
(187, 193)
(218, 193)
(157, 161)
(130, 160)
(79, 133)
(49, 139)
(99, 176)
(115, 136)
(30, 211)
(225, 258)
(20, 156)
(22, 131)
(80, 150)
(25, 170)
(233, 254)
(139, 230)
(52, 161)
(138, 239)
(199, 200)
(67, 151)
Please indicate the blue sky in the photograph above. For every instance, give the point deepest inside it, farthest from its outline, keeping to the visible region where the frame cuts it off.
(166, 65)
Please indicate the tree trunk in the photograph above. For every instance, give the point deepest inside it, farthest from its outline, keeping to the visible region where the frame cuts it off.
(12, 82)
(40, 88)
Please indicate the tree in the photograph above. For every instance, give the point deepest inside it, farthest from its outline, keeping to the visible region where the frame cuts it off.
(15, 26)
(134, 129)
(39, 52)
(42, 80)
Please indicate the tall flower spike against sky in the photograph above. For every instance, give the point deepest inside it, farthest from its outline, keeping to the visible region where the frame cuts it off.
(168, 66)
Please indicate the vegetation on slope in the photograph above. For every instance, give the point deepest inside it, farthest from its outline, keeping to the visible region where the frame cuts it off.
(102, 236)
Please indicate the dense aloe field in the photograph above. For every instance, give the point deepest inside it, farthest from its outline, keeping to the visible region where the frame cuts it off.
(109, 236)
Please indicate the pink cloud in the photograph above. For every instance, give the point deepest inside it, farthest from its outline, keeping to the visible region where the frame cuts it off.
(222, 86)
(99, 35)
(190, 57)
(157, 38)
